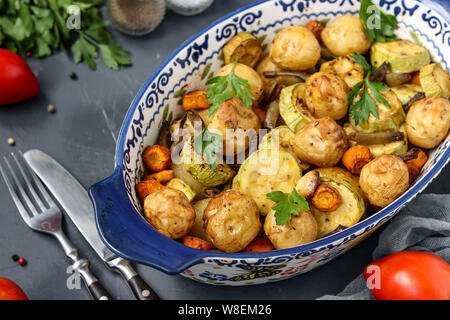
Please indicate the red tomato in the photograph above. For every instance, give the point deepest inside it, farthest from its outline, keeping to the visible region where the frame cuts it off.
(17, 81)
(409, 275)
(11, 291)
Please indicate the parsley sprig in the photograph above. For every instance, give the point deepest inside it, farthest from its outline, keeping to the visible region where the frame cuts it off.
(39, 27)
(367, 104)
(378, 27)
(209, 144)
(288, 204)
(225, 88)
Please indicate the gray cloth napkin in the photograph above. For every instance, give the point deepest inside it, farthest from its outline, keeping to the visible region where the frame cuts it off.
(423, 225)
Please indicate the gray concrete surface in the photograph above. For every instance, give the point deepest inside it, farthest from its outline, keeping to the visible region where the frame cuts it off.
(82, 134)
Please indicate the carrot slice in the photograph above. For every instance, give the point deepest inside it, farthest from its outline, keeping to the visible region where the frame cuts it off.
(196, 243)
(195, 100)
(355, 158)
(162, 176)
(326, 198)
(147, 187)
(157, 158)
(415, 165)
(259, 245)
(415, 78)
(260, 113)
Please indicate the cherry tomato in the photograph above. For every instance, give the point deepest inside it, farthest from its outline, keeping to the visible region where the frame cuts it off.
(11, 291)
(409, 275)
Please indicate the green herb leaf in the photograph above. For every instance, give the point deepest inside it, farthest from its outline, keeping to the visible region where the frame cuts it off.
(379, 26)
(288, 204)
(225, 88)
(209, 144)
(361, 60)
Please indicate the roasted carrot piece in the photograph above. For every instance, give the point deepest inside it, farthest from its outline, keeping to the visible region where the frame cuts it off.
(415, 78)
(147, 187)
(316, 28)
(196, 243)
(195, 100)
(157, 158)
(260, 113)
(326, 198)
(355, 158)
(415, 165)
(259, 245)
(162, 176)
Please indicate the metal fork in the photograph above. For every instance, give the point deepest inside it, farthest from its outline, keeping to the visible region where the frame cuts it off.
(47, 218)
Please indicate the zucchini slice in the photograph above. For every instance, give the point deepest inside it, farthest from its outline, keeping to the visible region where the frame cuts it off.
(268, 170)
(182, 186)
(197, 229)
(435, 80)
(245, 47)
(406, 91)
(352, 208)
(292, 108)
(402, 55)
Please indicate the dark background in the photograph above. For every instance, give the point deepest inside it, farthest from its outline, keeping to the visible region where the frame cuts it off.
(81, 135)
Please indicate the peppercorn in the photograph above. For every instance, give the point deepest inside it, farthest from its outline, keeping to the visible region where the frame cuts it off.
(73, 75)
(15, 257)
(22, 262)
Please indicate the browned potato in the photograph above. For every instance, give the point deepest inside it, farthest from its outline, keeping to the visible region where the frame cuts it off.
(299, 230)
(247, 73)
(170, 212)
(326, 95)
(428, 121)
(384, 179)
(321, 142)
(345, 35)
(234, 115)
(345, 68)
(295, 48)
(231, 221)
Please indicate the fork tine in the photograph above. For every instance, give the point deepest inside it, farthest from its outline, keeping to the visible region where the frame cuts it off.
(39, 184)
(22, 210)
(30, 185)
(21, 190)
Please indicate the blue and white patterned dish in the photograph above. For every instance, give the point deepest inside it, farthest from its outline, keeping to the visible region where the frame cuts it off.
(125, 231)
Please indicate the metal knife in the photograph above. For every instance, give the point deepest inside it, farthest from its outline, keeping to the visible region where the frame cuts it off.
(76, 203)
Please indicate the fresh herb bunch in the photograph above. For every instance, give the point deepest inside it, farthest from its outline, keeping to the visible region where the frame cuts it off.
(39, 27)
(387, 23)
(209, 144)
(367, 104)
(225, 88)
(288, 204)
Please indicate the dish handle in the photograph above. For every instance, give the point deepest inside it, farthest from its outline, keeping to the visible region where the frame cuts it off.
(125, 232)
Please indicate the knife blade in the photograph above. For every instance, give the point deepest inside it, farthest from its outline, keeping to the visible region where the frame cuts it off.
(75, 201)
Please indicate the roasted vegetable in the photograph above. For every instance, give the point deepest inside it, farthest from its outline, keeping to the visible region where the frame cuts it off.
(198, 229)
(231, 221)
(415, 165)
(272, 114)
(316, 27)
(292, 107)
(196, 243)
(301, 229)
(355, 158)
(345, 35)
(406, 92)
(384, 179)
(182, 186)
(243, 47)
(170, 212)
(260, 113)
(267, 170)
(308, 184)
(403, 56)
(326, 198)
(346, 68)
(326, 95)
(180, 171)
(259, 245)
(351, 207)
(195, 100)
(321, 142)
(428, 121)
(397, 79)
(157, 158)
(147, 187)
(162, 176)
(295, 48)
(435, 81)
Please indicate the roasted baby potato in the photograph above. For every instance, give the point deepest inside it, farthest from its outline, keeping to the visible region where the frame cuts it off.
(345, 35)
(326, 95)
(268, 170)
(350, 207)
(428, 121)
(295, 48)
(384, 179)
(245, 47)
(170, 212)
(301, 229)
(345, 68)
(321, 142)
(234, 117)
(231, 221)
(245, 72)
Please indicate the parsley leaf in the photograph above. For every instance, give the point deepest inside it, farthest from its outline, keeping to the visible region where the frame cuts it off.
(359, 59)
(225, 88)
(379, 26)
(209, 144)
(288, 204)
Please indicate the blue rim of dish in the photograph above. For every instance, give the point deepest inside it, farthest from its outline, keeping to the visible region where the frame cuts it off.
(200, 254)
